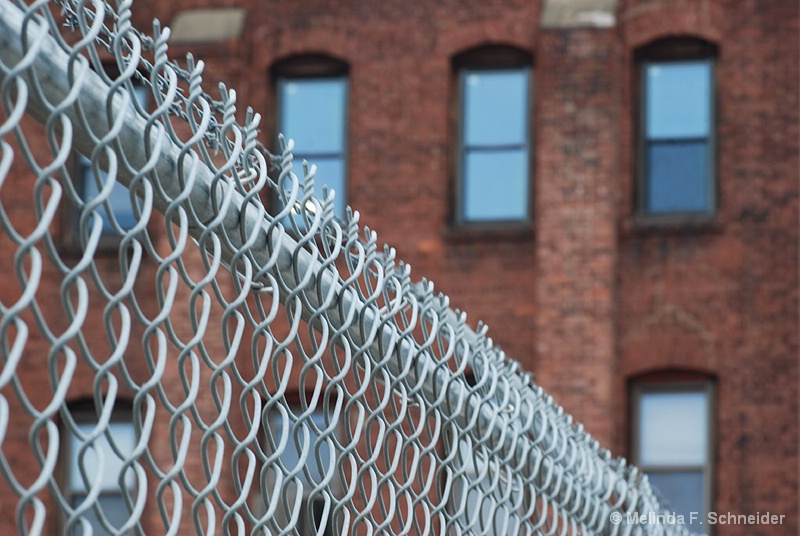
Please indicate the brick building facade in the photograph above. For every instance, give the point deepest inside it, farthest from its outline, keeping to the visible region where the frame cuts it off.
(605, 297)
(589, 293)
(594, 293)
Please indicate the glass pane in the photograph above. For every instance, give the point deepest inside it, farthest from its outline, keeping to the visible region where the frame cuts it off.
(678, 177)
(673, 428)
(330, 171)
(142, 94)
(495, 107)
(290, 457)
(486, 505)
(108, 473)
(495, 185)
(312, 114)
(119, 199)
(679, 99)
(684, 493)
(114, 509)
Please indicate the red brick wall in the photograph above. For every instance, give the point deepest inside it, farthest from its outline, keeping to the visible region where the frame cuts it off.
(585, 298)
(723, 298)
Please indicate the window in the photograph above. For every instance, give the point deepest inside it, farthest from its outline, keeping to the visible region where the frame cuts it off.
(677, 125)
(312, 110)
(477, 504)
(118, 201)
(672, 443)
(493, 183)
(82, 456)
(282, 425)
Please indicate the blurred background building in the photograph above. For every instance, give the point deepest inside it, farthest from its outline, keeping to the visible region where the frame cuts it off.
(611, 185)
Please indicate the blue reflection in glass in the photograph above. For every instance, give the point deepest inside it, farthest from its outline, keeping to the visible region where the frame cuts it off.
(495, 110)
(495, 145)
(496, 185)
(678, 99)
(677, 177)
(312, 113)
(119, 198)
(290, 457)
(330, 171)
(678, 128)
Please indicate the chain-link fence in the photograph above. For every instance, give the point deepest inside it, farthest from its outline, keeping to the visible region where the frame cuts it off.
(178, 358)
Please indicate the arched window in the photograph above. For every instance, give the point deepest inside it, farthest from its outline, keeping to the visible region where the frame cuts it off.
(672, 440)
(311, 105)
(493, 161)
(677, 129)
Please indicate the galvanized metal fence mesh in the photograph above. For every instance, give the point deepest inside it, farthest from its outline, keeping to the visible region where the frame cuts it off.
(243, 370)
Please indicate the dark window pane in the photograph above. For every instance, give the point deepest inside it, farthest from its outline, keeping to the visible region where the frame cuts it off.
(495, 107)
(684, 493)
(313, 516)
(496, 185)
(312, 113)
(114, 509)
(677, 178)
(678, 99)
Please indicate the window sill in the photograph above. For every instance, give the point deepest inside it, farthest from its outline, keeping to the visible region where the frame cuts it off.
(490, 231)
(678, 224)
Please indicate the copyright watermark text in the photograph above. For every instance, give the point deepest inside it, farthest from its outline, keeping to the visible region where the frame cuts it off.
(697, 518)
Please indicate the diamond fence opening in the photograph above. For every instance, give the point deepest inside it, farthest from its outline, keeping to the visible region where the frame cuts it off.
(195, 344)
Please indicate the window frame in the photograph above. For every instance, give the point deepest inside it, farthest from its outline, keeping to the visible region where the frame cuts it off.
(705, 386)
(487, 59)
(80, 172)
(83, 412)
(313, 67)
(471, 465)
(666, 51)
(306, 522)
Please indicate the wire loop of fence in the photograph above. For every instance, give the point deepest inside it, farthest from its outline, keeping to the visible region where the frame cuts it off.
(243, 361)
